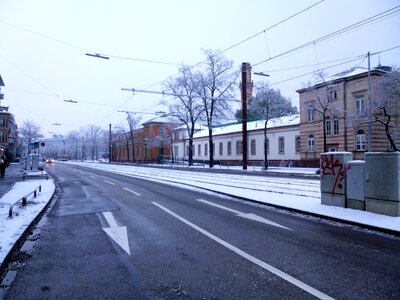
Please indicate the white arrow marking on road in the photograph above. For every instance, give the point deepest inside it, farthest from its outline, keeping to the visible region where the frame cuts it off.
(118, 233)
(249, 216)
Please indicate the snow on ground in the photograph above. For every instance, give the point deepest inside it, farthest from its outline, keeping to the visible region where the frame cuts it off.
(12, 228)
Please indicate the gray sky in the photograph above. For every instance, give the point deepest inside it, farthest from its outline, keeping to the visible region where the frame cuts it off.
(43, 46)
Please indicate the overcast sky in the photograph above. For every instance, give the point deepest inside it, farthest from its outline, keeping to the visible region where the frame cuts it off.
(44, 42)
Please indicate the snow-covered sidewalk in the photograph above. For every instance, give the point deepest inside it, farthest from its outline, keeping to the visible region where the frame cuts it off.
(12, 228)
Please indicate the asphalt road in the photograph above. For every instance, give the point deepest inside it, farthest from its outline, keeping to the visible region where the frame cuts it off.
(116, 237)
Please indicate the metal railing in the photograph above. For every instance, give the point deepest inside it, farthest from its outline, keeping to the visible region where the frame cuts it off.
(24, 200)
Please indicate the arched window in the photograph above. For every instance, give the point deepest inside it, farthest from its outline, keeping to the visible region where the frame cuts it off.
(360, 140)
(311, 143)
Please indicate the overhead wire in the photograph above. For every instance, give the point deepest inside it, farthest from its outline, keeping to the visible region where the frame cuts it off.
(356, 25)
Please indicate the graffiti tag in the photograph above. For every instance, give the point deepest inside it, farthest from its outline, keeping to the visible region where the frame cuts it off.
(332, 167)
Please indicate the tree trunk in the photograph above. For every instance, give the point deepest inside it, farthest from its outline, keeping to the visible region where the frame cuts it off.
(210, 141)
(265, 146)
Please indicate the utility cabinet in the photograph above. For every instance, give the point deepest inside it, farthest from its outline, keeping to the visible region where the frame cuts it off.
(333, 177)
(382, 183)
(355, 184)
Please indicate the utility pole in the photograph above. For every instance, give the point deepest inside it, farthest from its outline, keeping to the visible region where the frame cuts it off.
(369, 105)
(246, 80)
(109, 144)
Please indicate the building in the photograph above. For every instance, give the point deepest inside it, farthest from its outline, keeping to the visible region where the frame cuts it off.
(345, 96)
(283, 143)
(152, 141)
(8, 129)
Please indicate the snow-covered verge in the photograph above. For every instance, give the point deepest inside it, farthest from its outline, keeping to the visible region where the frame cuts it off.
(299, 194)
(12, 228)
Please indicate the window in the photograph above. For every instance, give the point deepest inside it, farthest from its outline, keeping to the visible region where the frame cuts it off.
(187, 150)
(221, 149)
(193, 148)
(335, 126)
(360, 140)
(298, 144)
(266, 145)
(310, 113)
(199, 150)
(239, 147)
(229, 148)
(176, 152)
(360, 105)
(253, 147)
(205, 149)
(160, 131)
(328, 126)
(311, 143)
(281, 145)
(332, 95)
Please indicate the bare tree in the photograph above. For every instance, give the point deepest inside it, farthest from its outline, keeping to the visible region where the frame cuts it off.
(324, 93)
(386, 107)
(29, 132)
(123, 136)
(187, 107)
(266, 105)
(133, 123)
(92, 134)
(215, 86)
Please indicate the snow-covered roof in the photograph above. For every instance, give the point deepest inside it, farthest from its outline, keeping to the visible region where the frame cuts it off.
(253, 125)
(166, 118)
(355, 71)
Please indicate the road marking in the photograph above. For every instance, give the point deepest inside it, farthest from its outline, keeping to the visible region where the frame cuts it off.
(118, 233)
(249, 257)
(133, 192)
(109, 182)
(92, 176)
(249, 216)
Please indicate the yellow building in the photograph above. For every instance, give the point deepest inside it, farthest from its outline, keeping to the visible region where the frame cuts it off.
(336, 102)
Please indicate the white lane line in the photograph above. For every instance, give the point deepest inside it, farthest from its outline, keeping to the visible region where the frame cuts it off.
(133, 192)
(249, 216)
(109, 182)
(92, 176)
(249, 257)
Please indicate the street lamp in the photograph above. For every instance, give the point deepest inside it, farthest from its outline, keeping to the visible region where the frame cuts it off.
(97, 55)
(261, 74)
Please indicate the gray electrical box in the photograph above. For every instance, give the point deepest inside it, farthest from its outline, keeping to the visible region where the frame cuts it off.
(333, 177)
(355, 184)
(382, 183)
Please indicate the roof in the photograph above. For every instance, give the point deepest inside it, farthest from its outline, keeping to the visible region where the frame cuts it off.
(351, 73)
(251, 126)
(164, 119)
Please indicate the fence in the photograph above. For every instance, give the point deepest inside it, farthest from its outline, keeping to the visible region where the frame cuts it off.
(24, 199)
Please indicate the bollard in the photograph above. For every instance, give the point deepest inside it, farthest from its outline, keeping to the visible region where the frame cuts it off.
(24, 201)
(333, 177)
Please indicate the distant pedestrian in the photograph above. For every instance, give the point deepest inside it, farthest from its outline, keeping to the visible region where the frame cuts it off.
(3, 163)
